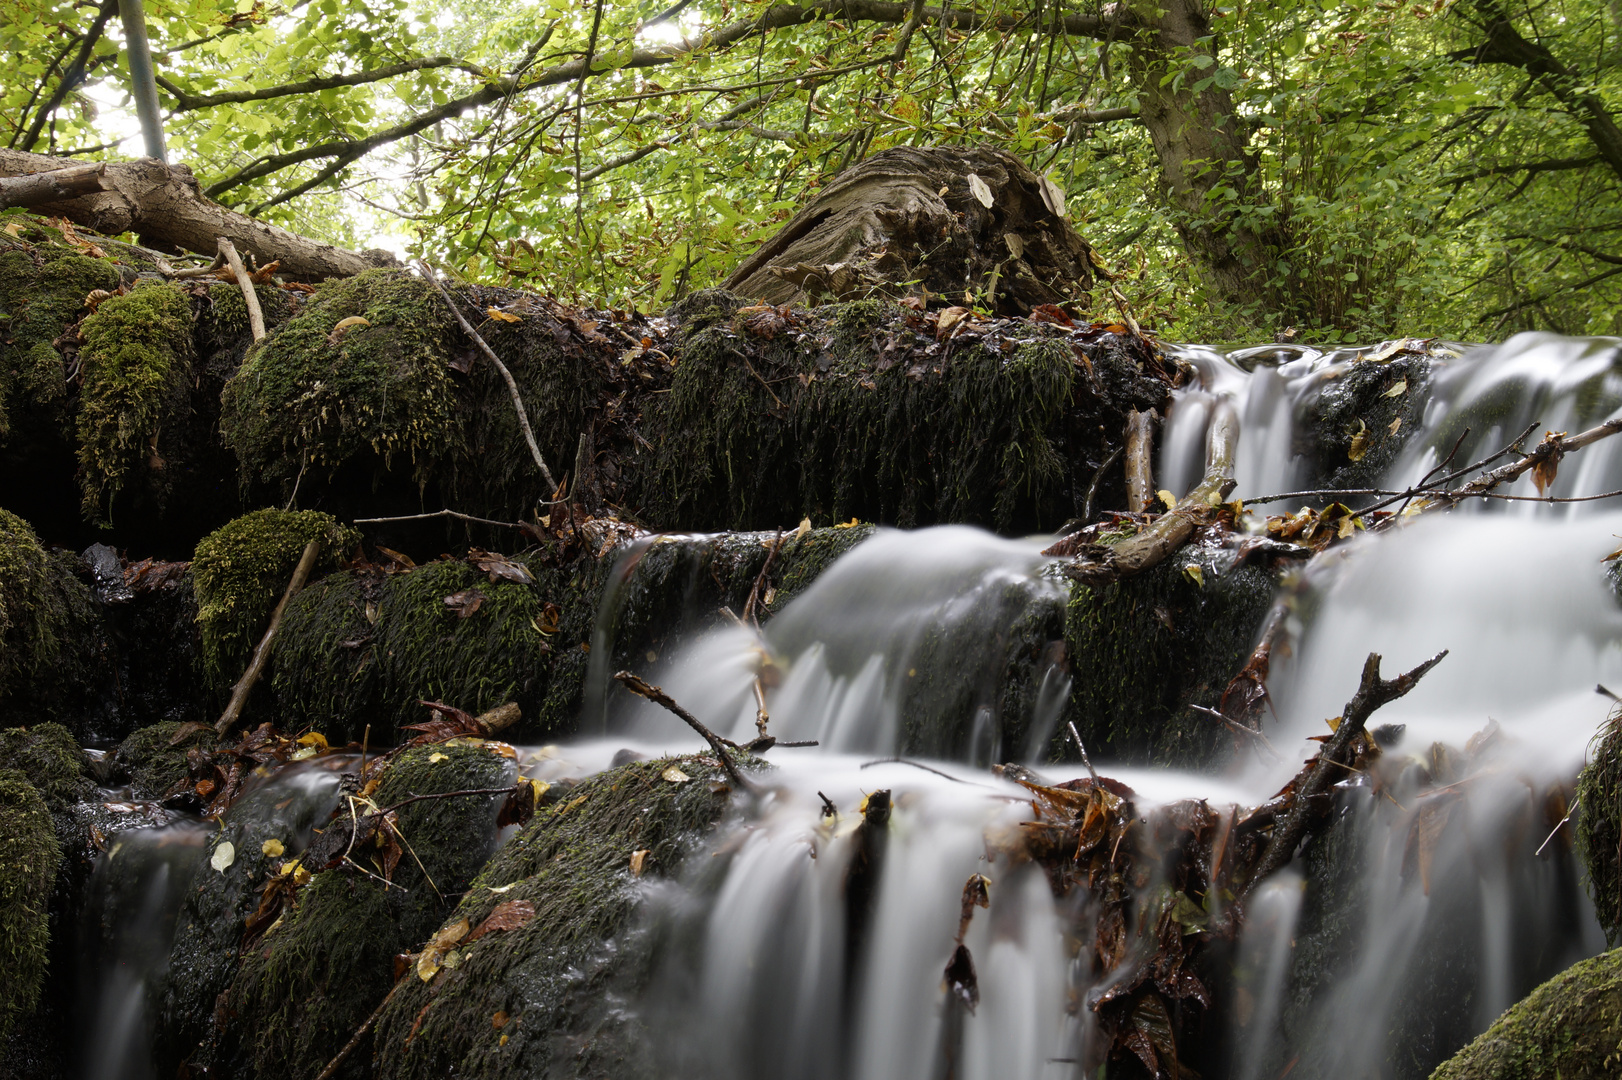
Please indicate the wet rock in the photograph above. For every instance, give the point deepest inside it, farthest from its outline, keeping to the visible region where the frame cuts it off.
(551, 996)
(1570, 1027)
(28, 867)
(1346, 427)
(1599, 823)
(152, 766)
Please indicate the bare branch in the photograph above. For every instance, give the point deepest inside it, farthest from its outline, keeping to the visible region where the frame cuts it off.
(189, 102)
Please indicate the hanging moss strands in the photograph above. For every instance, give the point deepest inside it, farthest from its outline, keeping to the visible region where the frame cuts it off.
(136, 367)
(240, 571)
(1599, 824)
(28, 862)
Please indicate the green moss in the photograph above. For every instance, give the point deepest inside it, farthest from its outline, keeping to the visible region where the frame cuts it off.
(241, 570)
(306, 987)
(52, 641)
(136, 367)
(311, 394)
(152, 766)
(28, 862)
(558, 977)
(51, 759)
(43, 287)
(1570, 1027)
(1599, 824)
(1145, 648)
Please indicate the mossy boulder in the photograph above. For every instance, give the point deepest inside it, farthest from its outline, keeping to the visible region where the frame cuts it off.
(1143, 649)
(51, 759)
(1599, 824)
(857, 410)
(135, 368)
(306, 986)
(548, 998)
(151, 764)
(241, 570)
(1346, 427)
(54, 643)
(1570, 1027)
(28, 865)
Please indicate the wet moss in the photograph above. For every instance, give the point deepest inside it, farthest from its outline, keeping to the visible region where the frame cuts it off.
(151, 765)
(305, 987)
(53, 641)
(135, 368)
(548, 998)
(241, 570)
(1356, 405)
(28, 865)
(1599, 824)
(51, 759)
(862, 415)
(1570, 1027)
(358, 649)
(1143, 649)
(314, 394)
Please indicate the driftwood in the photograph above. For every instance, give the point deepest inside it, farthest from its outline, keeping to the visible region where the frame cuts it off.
(165, 205)
(261, 654)
(966, 225)
(1372, 692)
(1103, 563)
(1140, 473)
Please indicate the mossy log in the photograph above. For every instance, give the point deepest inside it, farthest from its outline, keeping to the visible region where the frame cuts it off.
(547, 998)
(1570, 1027)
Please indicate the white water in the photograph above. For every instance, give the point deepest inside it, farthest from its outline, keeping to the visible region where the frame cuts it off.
(1518, 598)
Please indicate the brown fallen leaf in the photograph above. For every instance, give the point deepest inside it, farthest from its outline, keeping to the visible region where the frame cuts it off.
(465, 603)
(508, 915)
(499, 567)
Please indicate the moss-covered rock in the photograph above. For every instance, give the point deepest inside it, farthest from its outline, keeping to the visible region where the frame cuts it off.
(1599, 824)
(856, 410)
(548, 998)
(1143, 649)
(241, 570)
(136, 375)
(28, 864)
(150, 764)
(1570, 1027)
(51, 759)
(54, 644)
(1346, 427)
(307, 985)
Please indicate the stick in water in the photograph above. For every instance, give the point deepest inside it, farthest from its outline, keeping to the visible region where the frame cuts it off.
(261, 655)
(642, 687)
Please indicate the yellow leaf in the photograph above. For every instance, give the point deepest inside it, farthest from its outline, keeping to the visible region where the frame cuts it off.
(223, 856)
(1168, 498)
(315, 739)
(851, 524)
(1360, 443)
(14, 229)
(805, 527)
(639, 859)
(435, 757)
(1334, 723)
(503, 316)
(353, 320)
(1398, 390)
(304, 753)
(1193, 572)
(272, 847)
(675, 775)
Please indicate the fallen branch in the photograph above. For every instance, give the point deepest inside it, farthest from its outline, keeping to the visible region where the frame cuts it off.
(49, 187)
(261, 654)
(1372, 693)
(256, 316)
(447, 795)
(1170, 530)
(1140, 479)
(512, 384)
(360, 1032)
(439, 514)
(1546, 454)
(643, 688)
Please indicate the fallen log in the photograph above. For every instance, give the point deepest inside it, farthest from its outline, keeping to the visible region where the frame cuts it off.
(165, 205)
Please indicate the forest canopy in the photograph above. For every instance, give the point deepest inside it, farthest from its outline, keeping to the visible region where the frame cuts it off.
(1350, 171)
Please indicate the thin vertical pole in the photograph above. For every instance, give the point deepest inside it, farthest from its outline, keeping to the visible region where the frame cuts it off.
(143, 84)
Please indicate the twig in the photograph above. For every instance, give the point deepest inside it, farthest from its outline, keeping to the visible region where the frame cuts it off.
(256, 317)
(1092, 488)
(828, 807)
(916, 765)
(1574, 804)
(439, 514)
(512, 384)
(261, 654)
(449, 795)
(1085, 760)
(643, 688)
(1140, 480)
(1241, 729)
(1372, 692)
(360, 1032)
(760, 579)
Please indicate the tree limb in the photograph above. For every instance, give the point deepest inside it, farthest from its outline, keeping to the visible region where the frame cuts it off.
(70, 78)
(37, 188)
(185, 101)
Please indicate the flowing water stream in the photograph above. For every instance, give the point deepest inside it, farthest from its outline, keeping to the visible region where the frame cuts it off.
(904, 645)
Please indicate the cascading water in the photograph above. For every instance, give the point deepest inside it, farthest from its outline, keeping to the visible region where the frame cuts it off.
(809, 943)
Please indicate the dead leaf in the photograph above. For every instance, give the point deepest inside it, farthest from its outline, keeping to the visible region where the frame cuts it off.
(465, 603)
(949, 319)
(272, 847)
(1167, 498)
(639, 860)
(499, 1020)
(430, 960)
(508, 915)
(499, 567)
(1360, 443)
(224, 855)
(1394, 426)
(1052, 195)
(501, 316)
(675, 775)
(1193, 572)
(1398, 389)
(343, 326)
(980, 191)
(401, 563)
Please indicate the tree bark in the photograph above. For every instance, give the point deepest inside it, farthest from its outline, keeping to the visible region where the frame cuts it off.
(164, 206)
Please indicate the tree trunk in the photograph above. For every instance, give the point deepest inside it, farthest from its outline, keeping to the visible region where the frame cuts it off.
(165, 207)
